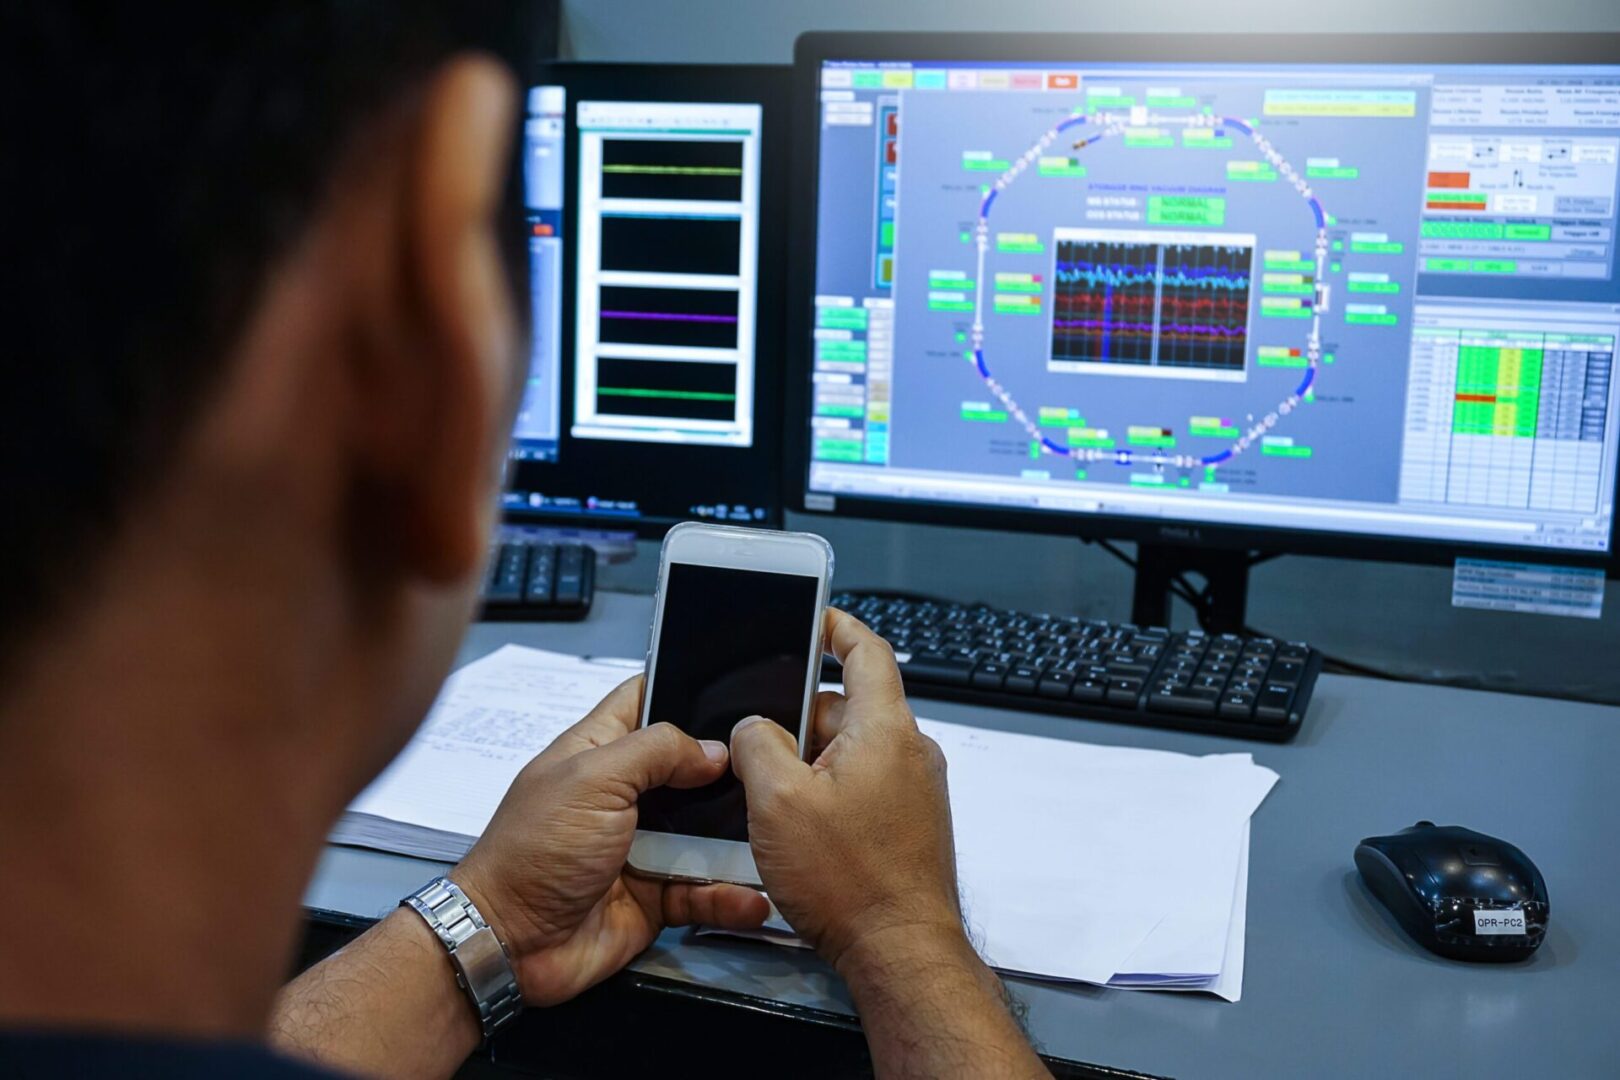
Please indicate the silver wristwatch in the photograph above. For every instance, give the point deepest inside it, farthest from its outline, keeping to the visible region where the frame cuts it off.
(479, 958)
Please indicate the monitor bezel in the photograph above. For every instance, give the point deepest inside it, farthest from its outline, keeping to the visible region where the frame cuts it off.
(812, 50)
(769, 85)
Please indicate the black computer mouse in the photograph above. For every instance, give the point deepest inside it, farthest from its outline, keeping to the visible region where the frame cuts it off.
(1459, 893)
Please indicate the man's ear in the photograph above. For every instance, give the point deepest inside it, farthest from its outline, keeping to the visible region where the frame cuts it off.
(442, 319)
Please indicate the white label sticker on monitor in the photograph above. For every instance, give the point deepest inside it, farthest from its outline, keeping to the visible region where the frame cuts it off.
(1493, 585)
(1499, 922)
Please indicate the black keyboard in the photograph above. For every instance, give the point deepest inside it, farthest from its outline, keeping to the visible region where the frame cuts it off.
(1220, 684)
(535, 580)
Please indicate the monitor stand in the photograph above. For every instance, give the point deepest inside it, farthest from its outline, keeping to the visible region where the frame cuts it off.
(1226, 574)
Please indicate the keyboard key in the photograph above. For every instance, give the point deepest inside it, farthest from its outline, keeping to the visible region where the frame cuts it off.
(1236, 705)
(936, 667)
(541, 588)
(1088, 689)
(989, 675)
(1189, 700)
(1274, 703)
(1055, 684)
(1021, 679)
(1126, 692)
(507, 583)
(1286, 671)
(570, 575)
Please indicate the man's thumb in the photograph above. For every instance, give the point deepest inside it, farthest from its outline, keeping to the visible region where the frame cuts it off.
(655, 756)
(764, 755)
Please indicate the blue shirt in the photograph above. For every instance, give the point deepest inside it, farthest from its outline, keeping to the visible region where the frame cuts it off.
(59, 1056)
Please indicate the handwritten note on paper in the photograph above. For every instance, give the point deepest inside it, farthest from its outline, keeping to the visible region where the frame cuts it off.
(492, 717)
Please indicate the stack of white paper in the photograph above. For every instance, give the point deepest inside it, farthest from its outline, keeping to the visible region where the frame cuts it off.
(1107, 865)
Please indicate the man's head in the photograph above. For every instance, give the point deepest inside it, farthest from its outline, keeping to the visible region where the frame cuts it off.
(261, 340)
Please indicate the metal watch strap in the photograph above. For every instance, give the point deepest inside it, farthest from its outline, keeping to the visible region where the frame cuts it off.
(479, 958)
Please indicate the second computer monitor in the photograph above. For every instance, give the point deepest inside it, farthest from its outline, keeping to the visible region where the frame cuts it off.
(656, 203)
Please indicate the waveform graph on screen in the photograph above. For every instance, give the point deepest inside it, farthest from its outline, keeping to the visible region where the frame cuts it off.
(677, 317)
(686, 169)
(1168, 304)
(675, 389)
(1204, 305)
(1104, 299)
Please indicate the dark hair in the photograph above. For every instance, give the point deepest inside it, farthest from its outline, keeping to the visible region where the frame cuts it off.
(156, 162)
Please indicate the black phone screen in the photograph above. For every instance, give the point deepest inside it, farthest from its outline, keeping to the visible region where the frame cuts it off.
(734, 643)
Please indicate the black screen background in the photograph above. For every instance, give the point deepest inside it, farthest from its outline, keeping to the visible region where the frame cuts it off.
(734, 643)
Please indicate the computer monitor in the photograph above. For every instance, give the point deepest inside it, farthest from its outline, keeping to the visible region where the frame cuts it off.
(1351, 295)
(655, 205)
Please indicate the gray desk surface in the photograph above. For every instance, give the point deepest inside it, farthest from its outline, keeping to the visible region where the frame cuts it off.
(1331, 987)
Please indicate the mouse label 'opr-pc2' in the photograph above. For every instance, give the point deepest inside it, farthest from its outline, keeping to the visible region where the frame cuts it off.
(1457, 892)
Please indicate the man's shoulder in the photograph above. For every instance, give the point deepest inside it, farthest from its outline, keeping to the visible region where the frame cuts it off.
(24, 1055)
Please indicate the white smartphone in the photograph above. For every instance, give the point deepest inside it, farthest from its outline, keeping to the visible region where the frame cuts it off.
(737, 629)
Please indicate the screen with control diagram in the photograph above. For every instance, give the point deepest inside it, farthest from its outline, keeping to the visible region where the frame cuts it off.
(1359, 299)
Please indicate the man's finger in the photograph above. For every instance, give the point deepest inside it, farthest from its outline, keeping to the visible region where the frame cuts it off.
(657, 756)
(827, 717)
(731, 907)
(870, 674)
(614, 717)
(764, 756)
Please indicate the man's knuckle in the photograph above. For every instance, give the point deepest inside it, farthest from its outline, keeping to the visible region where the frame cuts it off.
(665, 736)
(919, 749)
(744, 737)
(765, 803)
(778, 799)
(536, 768)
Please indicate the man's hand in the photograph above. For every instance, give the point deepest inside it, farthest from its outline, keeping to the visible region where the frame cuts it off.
(549, 872)
(856, 851)
(549, 876)
(856, 845)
